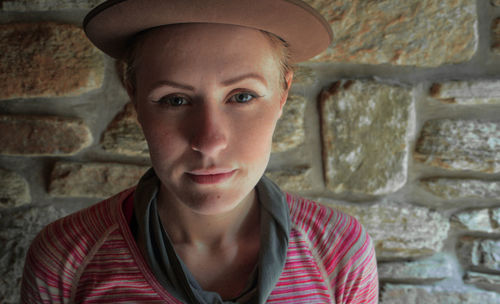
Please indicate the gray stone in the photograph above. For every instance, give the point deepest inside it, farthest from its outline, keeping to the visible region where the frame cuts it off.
(47, 59)
(479, 252)
(455, 188)
(289, 132)
(17, 230)
(124, 134)
(436, 268)
(42, 135)
(460, 145)
(417, 294)
(14, 191)
(400, 230)
(292, 179)
(97, 180)
(467, 92)
(424, 33)
(47, 5)
(483, 220)
(483, 280)
(365, 127)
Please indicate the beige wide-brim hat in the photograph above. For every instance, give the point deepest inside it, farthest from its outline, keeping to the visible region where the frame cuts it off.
(112, 25)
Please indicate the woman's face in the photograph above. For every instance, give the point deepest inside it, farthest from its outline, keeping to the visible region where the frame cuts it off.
(208, 98)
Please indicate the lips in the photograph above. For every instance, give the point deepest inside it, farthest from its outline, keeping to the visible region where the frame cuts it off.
(207, 177)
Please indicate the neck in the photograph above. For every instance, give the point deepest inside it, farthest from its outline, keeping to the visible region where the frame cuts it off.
(186, 227)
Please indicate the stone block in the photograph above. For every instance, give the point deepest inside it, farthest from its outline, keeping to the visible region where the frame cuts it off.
(495, 2)
(456, 188)
(424, 33)
(42, 135)
(14, 191)
(460, 145)
(436, 268)
(483, 220)
(292, 179)
(46, 5)
(400, 230)
(418, 294)
(47, 60)
(495, 35)
(481, 253)
(289, 132)
(467, 92)
(365, 127)
(303, 75)
(18, 227)
(483, 280)
(124, 134)
(99, 180)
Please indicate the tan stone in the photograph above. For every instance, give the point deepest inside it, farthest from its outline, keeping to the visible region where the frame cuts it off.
(14, 190)
(495, 35)
(124, 134)
(289, 131)
(46, 5)
(18, 227)
(438, 267)
(460, 145)
(292, 179)
(483, 220)
(456, 188)
(495, 2)
(303, 75)
(42, 135)
(420, 294)
(490, 281)
(397, 229)
(424, 33)
(467, 92)
(479, 252)
(47, 60)
(98, 180)
(365, 127)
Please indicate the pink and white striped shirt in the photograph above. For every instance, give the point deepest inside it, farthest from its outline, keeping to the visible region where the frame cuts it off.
(92, 257)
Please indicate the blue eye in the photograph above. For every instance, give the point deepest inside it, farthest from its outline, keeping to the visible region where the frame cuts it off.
(242, 97)
(173, 100)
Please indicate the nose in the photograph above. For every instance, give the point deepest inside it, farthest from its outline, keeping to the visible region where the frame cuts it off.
(209, 133)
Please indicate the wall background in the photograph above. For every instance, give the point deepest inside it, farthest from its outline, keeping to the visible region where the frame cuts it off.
(398, 123)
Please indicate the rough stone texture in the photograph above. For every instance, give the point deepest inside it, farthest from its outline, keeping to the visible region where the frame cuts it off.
(401, 230)
(47, 60)
(14, 191)
(484, 280)
(303, 75)
(47, 5)
(42, 135)
(411, 294)
(479, 252)
(484, 220)
(289, 132)
(365, 127)
(124, 134)
(495, 36)
(98, 180)
(460, 145)
(467, 92)
(454, 188)
(293, 179)
(435, 268)
(423, 33)
(17, 230)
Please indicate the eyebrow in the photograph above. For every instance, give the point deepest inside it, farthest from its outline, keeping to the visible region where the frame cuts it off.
(172, 84)
(224, 83)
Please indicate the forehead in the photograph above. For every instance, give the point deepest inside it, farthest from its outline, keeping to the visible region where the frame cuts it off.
(210, 46)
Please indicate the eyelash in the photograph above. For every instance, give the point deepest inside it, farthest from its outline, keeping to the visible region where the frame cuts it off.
(165, 100)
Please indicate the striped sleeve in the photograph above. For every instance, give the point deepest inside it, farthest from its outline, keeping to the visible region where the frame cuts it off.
(343, 249)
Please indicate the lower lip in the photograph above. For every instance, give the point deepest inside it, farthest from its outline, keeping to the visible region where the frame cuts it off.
(208, 179)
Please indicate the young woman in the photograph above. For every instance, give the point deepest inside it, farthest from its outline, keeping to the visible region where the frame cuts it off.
(209, 80)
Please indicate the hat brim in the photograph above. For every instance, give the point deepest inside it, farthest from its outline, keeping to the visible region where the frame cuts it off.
(112, 25)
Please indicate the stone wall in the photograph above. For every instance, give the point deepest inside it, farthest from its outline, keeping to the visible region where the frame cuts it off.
(397, 123)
